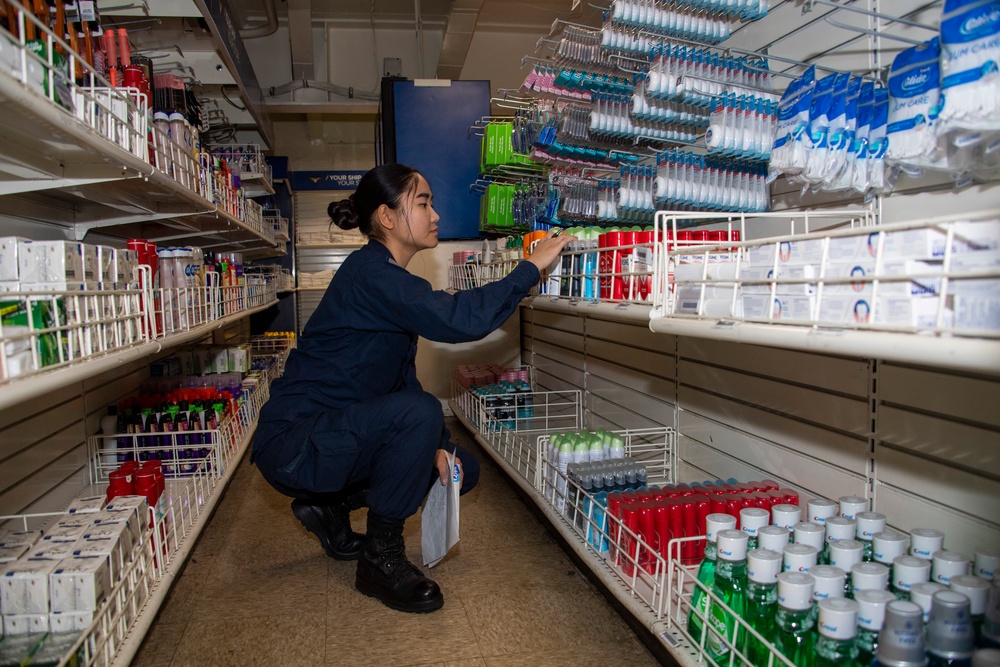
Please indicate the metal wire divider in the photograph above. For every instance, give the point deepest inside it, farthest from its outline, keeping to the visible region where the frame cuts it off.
(637, 565)
(682, 581)
(64, 327)
(510, 429)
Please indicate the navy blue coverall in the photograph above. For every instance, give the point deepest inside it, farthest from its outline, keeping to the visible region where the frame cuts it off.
(349, 412)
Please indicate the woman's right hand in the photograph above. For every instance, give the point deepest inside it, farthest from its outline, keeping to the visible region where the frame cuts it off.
(547, 250)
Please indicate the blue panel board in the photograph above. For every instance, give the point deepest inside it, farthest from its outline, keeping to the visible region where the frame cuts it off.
(432, 135)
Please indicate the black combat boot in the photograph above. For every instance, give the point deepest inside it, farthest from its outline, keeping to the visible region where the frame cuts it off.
(332, 525)
(385, 573)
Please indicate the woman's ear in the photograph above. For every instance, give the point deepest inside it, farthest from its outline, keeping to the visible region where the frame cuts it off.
(386, 217)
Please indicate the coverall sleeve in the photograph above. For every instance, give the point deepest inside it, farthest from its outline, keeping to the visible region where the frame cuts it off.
(408, 302)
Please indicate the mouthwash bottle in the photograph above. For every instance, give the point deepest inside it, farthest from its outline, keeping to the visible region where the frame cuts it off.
(793, 631)
(730, 588)
(838, 626)
(871, 616)
(837, 528)
(977, 590)
(901, 641)
(869, 523)
(763, 567)
(908, 571)
(706, 574)
(845, 554)
(950, 638)
(753, 519)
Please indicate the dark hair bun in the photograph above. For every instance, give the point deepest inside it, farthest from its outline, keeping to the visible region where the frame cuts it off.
(343, 213)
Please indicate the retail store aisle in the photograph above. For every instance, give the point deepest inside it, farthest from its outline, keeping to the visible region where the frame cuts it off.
(259, 590)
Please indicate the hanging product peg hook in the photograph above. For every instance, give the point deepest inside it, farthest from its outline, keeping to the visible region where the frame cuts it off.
(165, 47)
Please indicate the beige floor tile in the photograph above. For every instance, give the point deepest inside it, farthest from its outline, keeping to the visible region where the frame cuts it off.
(474, 662)
(628, 653)
(160, 644)
(279, 639)
(417, 645)
(553, 616)
(288, 589)
(184, 595)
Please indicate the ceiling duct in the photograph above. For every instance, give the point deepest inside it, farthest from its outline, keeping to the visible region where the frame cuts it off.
(300, 35)
(457, 37)
(268, 28)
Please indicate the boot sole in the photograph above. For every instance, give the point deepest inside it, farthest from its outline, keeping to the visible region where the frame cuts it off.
(418, 608)
(315, 526)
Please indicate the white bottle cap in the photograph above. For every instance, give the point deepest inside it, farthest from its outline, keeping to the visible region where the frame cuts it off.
(785, 515)
(924, 542)
(810, 534)
(908, 571)
(840, 528)
(976, 589)
(869, 577)
(731, 545)
(987, 563)
(845, 553)
(763, 566)
(869, 523)
(774, 538)
(799, 557)
(871, 608)
(795, 590)
(838, 618)
(716, 522)
(818, 510)
(752, 519)
(922, 594)
(829, 582)
(948, 564)
(851, 505)
(887, 545)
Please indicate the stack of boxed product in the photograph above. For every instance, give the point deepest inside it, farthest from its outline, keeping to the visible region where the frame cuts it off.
(57, 580)
(53, 269)
(889, 278)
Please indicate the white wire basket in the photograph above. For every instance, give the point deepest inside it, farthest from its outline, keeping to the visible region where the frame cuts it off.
(928, 277)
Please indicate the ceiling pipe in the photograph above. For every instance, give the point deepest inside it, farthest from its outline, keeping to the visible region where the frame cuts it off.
(268, 28)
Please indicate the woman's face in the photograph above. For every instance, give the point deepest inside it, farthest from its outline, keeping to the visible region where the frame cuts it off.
(418, 225)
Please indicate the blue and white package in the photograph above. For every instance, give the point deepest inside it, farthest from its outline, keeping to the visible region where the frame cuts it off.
(819, 127)
(878, 143)
(843, 126)
(858, 160)
(788, 153)
(970, 58)
(914, 104)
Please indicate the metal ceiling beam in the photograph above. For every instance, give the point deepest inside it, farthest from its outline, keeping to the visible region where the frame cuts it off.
(457, 38)
(300, 36)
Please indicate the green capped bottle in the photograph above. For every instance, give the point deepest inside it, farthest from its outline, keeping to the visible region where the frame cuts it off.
(706, 574)
(837, 628)
(871, 616)
(730, 588)
(763, 567)
(908, 571)
(869, 523)
(793, 631)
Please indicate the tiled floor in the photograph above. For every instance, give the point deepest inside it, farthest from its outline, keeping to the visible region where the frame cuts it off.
(258, 590)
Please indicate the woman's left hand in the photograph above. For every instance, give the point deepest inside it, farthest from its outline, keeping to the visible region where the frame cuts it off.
(444, 471)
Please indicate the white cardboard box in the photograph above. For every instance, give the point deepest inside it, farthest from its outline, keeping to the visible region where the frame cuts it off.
(977, 311)
(52, 261)
(86, 505)
(15, 625)
(9, 246)
(784, 308)
(24, 586)
(911, 312)
(79, 583)
(930, 243)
